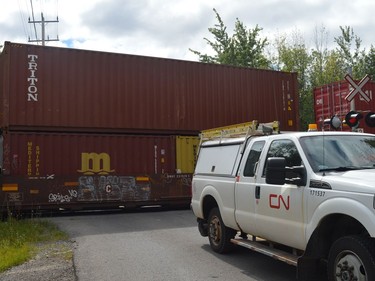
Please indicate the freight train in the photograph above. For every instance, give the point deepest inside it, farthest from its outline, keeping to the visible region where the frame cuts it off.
(84, 129)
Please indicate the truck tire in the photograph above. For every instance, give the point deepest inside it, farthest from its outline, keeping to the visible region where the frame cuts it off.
(352, 258)
(218, 234)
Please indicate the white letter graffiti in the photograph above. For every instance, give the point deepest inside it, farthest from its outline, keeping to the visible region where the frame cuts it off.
(57, 197)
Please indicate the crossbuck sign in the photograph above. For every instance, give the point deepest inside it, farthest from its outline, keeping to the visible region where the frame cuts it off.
(357, 88)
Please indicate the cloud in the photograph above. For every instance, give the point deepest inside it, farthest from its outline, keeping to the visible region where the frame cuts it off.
(168, 28)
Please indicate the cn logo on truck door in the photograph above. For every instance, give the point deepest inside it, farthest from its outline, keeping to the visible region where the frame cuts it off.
(279, 209)
(277, 201)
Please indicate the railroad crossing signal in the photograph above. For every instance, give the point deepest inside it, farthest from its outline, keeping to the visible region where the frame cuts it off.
(352, 119)
(370, 119)
(357, 88)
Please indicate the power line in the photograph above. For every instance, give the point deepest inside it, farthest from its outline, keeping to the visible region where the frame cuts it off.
(22, 19)
(32, 14)
(43, 23)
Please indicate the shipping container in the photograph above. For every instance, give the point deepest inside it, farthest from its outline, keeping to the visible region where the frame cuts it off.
(78, 171)
(330, 100)
(87, 129)
(69, 90)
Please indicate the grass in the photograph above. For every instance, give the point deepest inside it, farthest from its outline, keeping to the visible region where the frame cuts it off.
(18, 239)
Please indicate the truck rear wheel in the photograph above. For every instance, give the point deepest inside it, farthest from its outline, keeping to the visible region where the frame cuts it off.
(352, 258)
(218, 234)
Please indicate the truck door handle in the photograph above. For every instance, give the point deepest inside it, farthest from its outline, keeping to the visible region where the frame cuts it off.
(257, 192)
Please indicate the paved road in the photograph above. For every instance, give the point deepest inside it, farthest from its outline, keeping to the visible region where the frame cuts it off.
(159, 245)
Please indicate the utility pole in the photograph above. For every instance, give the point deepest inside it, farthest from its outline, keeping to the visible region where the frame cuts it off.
(43, 22)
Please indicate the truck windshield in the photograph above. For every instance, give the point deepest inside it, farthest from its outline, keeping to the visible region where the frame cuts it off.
(339, 153)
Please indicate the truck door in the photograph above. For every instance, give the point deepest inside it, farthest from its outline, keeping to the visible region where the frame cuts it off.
(279, 208)
(245, 189)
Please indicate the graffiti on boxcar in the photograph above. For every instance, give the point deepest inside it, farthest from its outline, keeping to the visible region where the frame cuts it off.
(100, 188)
(14, 197)
(62, 198)
(96, 183)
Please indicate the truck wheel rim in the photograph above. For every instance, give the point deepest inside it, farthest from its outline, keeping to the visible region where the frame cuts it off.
(215, 230)
(349, 267)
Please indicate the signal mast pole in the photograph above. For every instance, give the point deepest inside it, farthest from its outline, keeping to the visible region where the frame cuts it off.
(43, 22)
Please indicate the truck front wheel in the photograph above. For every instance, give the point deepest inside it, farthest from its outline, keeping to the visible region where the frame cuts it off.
(352, 258)
(218, 234)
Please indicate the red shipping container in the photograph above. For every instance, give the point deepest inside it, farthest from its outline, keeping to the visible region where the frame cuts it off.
(43, 154)
(329, 100)
(90, 170)
(68, 90)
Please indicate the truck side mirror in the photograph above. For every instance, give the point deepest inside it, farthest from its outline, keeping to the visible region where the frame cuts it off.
(300, 179)
(275, 170)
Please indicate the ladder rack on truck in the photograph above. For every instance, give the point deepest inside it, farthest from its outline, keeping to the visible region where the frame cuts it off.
(246, 129)
(241, 130)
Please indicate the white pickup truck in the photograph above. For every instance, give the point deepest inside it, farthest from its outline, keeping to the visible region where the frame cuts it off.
(305, 198)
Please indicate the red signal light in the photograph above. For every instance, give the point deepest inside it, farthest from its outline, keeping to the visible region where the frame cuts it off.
(352, 119)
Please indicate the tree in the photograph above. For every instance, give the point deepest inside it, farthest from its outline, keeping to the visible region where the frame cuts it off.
(293, 56)
(370, 63)
(326, 65)
(221, 45)
(353, 56)
(244, 48)
(248, 49)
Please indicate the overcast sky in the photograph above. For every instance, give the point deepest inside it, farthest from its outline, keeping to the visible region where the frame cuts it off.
(168, 28)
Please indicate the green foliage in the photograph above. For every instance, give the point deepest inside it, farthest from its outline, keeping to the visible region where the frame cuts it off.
(326, 69)
(18, 237)
(221, 45)
(244, 48)
(349, 49)
(326, 65)
(12, 256)
(370, 63)
(248, 49)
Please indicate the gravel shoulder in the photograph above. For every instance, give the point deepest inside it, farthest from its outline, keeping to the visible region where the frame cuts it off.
(53, 261)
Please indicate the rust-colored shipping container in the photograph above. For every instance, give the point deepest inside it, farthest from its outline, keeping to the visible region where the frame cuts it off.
(75, 171)
(88, 129)
(329, 100)
(69, 90)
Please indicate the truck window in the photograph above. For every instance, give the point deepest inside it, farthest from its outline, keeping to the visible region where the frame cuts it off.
(332, 152)
(218, 159)
(253, 158)
(286, 149)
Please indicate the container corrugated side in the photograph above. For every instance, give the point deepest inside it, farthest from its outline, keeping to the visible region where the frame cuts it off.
(77, 171)
(62, 89)
(329, 100)
(186, 153)
(60, 154)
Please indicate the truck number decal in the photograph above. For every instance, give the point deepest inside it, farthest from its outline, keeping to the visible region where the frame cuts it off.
(318, 193)
(276, 201)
